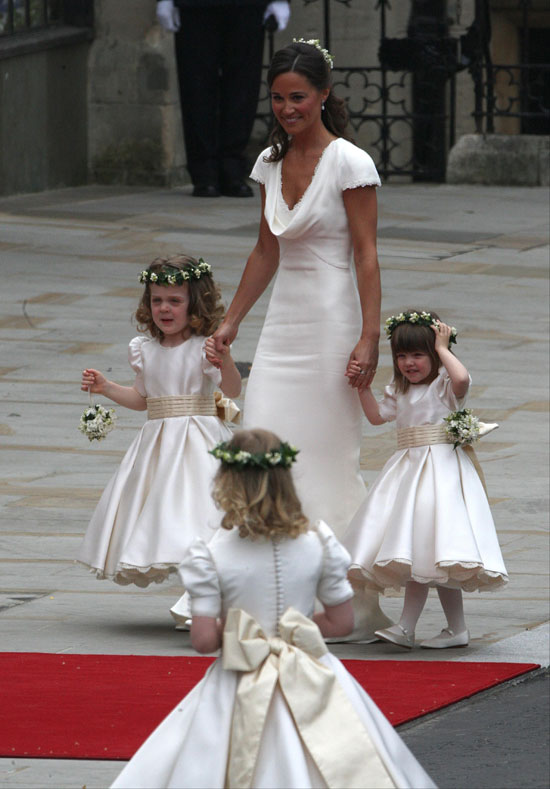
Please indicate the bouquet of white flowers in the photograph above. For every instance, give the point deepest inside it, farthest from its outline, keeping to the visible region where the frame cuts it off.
(97, 421)
(462, 427)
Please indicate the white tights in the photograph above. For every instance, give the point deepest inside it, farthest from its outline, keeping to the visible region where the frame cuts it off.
(415, 599)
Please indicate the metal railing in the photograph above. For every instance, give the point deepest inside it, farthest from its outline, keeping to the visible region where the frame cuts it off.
(18, 16)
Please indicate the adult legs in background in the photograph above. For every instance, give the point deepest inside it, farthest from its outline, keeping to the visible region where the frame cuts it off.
(219, 56)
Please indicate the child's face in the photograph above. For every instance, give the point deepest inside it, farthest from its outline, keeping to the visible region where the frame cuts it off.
(169, 305)
(415, 366)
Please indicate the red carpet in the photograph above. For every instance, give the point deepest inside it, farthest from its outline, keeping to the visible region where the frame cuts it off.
(104, 706)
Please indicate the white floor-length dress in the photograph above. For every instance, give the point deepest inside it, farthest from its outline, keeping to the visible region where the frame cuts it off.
(193, 746)
(427, 517)
(160, 497)
(297, 386)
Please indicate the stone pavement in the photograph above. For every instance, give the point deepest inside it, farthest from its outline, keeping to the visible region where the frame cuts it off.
(69, 265)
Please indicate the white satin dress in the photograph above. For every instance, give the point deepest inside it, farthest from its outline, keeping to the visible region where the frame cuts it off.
(297, 387)
(426, 517)
(192, 746)
(160, 498)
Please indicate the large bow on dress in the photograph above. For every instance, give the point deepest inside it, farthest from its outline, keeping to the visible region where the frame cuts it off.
(328, 724)
(227, 409)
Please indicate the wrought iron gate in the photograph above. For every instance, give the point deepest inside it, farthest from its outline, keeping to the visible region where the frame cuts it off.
(403, 104)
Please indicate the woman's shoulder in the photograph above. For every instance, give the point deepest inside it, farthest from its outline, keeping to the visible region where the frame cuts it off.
(355, 165)
(262, 167)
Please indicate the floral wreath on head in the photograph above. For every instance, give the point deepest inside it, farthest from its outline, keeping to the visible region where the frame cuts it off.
(284, 455)
(170, 275)
(314, 42)
(417, 318)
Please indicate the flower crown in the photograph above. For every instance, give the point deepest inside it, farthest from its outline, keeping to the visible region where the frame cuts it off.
(418, 318)
(240, 459)
(314, 42)
(171, 275)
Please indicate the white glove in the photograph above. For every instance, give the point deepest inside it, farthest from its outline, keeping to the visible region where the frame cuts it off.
(281, 11)
(168, 15)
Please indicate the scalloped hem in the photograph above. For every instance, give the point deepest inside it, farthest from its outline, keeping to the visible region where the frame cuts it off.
(468, 576)
(126, 574)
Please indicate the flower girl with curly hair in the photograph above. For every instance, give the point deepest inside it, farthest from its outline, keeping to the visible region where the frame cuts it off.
(159, 498)
(426, 521)
(276, 709)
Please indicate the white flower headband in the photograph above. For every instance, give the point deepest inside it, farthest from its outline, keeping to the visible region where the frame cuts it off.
(419, 318)
(314, 42)
(170, 275)
(240, 459)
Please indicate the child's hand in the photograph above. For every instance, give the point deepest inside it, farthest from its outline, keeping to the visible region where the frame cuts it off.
(93, 381)
(353, 369)
(442, 336)
(213, 354)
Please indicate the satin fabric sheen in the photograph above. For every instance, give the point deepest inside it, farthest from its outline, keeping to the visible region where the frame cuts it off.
(427, 517)
(297, 386)
(191, 748)
(159, 499)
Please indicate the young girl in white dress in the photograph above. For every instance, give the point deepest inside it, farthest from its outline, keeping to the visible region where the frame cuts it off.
(276, 709)
(426, 521)
(159, 499)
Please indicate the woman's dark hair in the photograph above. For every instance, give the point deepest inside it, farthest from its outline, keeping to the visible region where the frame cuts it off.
(410, 337)
(307, 60)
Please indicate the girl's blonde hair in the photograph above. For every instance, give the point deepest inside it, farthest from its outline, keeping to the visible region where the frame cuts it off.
(259, 502)
(205, 309)
(410, 337)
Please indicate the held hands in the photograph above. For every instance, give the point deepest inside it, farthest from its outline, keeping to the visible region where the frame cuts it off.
(362, 364)
(93, 381)
(216, 355)
(168, 16)
(280, 9)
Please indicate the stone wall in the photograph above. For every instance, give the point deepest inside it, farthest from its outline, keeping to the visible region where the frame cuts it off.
(43, 111)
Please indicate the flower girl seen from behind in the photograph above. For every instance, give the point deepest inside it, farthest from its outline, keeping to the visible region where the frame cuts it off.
(426, 521)
(160, 498)
(276, 709)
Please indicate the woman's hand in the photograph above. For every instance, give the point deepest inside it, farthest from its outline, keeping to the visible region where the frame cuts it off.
(362, 364)
(223, 338)
(93, 381)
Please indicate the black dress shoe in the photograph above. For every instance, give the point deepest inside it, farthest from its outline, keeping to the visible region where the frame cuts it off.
(237, 189)
(205, 190)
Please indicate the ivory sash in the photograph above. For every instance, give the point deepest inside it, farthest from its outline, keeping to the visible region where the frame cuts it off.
(327, 722)
(423, 435)
(193, 405)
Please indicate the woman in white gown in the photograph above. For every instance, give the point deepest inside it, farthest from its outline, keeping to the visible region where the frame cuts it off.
(276, 710)
(318, 217)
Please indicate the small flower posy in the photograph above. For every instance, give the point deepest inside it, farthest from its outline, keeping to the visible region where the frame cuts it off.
(462, 427)
(97, 421)
(175, 276)
(419, 318)
(284, 456)
(314, 42)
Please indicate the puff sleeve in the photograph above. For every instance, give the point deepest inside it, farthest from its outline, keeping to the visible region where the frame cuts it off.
(387, 406)
(209, 370)
(200, 578)
(443, 388)
(135, 360)
(260, 169)
(356, 168)
(333, 587)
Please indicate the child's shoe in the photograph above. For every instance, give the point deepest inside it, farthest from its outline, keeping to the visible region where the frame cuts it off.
(397, 635)
(368, 617)
(447, 638)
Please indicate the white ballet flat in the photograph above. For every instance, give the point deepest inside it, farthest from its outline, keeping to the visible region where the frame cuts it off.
(396, 634)
(447, 638)
(183, 625)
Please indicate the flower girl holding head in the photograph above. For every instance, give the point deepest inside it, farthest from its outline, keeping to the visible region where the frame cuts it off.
(276, 709)
(159, 499)
(426, 521)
